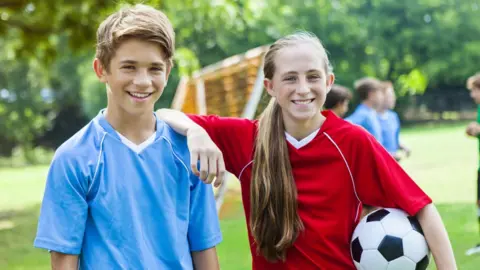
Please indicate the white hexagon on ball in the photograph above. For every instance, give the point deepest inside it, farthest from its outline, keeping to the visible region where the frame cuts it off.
(396, 223)
(359, 228)
(402, 263)
(373, 260)
(414, 246)
(371, 235)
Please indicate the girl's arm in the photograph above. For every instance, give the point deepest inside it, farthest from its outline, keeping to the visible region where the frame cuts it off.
(202, 148)
(437, 237)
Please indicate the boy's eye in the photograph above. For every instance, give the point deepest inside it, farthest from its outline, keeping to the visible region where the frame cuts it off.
(314, 77)
(289, 78)
(128, 67)
(156, 69)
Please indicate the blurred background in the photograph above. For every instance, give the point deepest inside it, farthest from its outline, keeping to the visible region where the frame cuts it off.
(48, 91)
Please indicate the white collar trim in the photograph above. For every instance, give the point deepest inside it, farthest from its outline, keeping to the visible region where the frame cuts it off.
(299, 144)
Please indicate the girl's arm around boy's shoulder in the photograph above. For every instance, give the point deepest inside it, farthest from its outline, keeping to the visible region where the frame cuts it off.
(225, 143)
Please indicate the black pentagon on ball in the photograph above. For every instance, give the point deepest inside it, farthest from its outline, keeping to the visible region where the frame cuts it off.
(391, 248)
(357, 250)
(415, 224)
(377, 215)
(423, 264)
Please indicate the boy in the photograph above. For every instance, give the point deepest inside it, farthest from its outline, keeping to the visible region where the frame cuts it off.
(370, 92)
(338, 99)
(473, 130)
(119, 194)
(390, 124)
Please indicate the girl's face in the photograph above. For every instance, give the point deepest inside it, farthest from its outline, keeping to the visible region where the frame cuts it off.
(300, 82)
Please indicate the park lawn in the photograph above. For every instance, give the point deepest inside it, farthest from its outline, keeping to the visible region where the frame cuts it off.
(443, 163)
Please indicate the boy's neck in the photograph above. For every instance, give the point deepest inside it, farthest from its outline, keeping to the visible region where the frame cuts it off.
(137, 128)
(369, 104)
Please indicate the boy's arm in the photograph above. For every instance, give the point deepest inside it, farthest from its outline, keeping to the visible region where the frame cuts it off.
(473, 129)
(205, 259)
(200, 145)
(62, 261)
(64, 210)
(204, 227)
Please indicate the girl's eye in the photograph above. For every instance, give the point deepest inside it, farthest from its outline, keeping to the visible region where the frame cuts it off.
(128, 67)
(289, 78)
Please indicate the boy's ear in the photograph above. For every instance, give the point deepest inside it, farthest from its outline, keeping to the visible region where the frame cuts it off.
(167, 73)
(99, 70)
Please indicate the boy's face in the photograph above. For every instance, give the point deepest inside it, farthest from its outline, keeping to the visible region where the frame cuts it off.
(377, 99)
(341, 108)
(137, 76)
(390, 98)
(475, 94)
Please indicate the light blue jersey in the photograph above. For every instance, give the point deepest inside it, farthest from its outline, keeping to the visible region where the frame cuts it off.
(367, 118)
(119, 209)
(390, 124)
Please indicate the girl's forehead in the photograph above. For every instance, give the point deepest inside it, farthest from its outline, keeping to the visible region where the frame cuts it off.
(299, 58)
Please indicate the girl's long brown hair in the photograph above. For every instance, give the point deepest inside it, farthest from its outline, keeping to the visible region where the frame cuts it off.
(274, 221)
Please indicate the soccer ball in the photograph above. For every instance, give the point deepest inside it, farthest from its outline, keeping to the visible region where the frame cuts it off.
(389, 239)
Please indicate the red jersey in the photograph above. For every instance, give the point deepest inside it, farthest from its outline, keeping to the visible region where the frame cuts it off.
(341, 168)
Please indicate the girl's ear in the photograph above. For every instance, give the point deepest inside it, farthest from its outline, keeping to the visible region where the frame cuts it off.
(269, 86)
(330, 81)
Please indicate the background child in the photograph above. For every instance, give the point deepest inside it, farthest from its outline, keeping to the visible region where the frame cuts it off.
(473, 130)
(370, 92)
(338, 100)
(390, 124)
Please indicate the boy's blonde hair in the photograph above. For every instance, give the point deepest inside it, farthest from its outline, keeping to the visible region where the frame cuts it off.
(139, 22)
(473, 81)
(366, 85)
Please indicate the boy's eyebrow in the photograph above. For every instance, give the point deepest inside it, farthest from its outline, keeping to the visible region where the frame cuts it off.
(132, 62)
(158, 64)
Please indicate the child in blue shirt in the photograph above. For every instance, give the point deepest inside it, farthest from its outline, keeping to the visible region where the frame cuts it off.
(370, 92)
(120, 193)
(390, 124)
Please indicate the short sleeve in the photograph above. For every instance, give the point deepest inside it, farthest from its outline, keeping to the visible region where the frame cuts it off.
(234, 136)
(204, 227)
(397, 127)
(64, 208)
(379, 179)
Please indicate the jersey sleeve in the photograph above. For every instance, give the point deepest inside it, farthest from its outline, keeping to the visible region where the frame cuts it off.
(397, 129)
(64, 209)
(204, 227)
(234, 136)
(380, 180)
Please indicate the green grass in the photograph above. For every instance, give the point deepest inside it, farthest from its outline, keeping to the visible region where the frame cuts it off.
(443, 162)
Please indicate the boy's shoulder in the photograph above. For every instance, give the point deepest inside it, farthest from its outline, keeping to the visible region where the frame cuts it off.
(177, 141)
(81, 146)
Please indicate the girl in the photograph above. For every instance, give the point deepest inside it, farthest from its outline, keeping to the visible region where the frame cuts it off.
(304, 173)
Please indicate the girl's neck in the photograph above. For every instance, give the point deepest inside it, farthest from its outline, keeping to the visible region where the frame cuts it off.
(301, 129)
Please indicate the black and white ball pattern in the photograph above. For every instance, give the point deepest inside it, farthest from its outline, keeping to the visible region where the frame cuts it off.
(389, 239)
